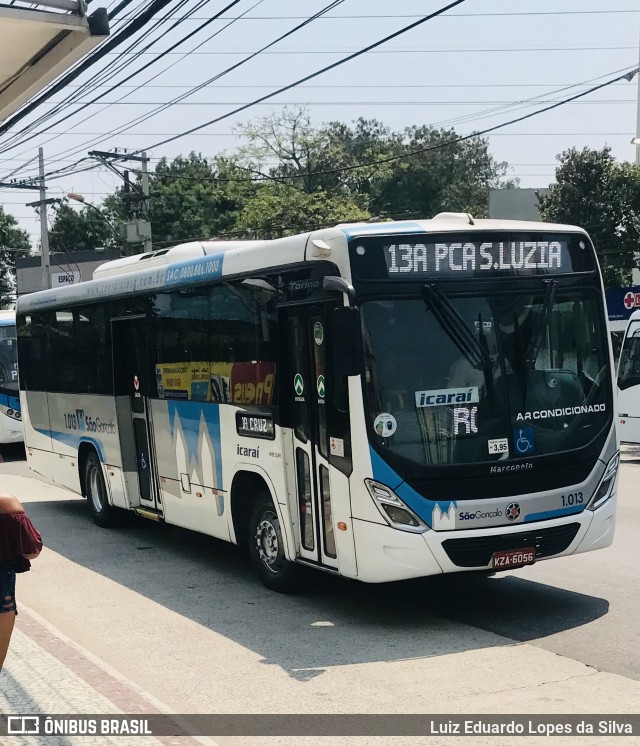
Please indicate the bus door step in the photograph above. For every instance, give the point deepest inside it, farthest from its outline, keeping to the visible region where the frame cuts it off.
(150, 513)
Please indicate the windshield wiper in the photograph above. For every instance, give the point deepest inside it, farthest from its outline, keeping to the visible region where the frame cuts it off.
(535, 342)
(455, 327)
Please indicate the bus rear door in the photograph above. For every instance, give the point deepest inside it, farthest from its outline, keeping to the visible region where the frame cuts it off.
(132, 389)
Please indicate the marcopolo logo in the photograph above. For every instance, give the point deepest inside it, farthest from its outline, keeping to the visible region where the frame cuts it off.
(441, 397)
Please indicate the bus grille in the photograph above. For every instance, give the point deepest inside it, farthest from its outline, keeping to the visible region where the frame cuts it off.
(477, 552)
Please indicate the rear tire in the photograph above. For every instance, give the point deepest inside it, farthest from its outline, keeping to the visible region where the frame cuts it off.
(266, 549)
(103, 514)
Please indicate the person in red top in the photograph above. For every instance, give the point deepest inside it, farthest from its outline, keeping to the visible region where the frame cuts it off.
(20, 542)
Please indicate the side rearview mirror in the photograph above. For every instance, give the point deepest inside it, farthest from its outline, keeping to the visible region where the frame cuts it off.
(347, 342)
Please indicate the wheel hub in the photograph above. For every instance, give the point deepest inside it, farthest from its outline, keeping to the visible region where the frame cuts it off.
(94, 489)
(267, 542)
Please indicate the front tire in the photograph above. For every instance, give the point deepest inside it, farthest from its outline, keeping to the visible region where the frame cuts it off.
(266, 549)
(103, 514)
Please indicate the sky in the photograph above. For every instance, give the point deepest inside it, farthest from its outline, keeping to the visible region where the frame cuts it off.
(466, 69)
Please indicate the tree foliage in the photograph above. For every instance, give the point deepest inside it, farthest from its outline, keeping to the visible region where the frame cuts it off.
(598, 193)
(14, 242)
(341, 161)
(79, 230)
(291, 175)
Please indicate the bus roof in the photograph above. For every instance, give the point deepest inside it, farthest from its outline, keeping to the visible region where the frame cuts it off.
(199, 261)
(162, 257)
(7, 318)
(446, 222)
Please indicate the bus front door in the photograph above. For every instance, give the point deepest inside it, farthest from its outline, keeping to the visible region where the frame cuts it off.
(131, 379)
(305, 389)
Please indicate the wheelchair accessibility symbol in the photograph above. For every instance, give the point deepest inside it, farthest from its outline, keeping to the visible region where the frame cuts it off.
(523, 440)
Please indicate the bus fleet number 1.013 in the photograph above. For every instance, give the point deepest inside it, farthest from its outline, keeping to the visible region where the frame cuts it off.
(573, 498)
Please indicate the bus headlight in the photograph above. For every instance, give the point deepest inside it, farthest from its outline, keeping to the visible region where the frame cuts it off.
(13, 413)
(605, 488)
(393, 510)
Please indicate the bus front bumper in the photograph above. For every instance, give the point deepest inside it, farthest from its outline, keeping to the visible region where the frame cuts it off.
(385, 554)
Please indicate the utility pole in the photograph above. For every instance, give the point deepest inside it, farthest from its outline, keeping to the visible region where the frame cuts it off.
(44, 228)
(637, 137)
(147, 202)
(41, 205)
(137, 230)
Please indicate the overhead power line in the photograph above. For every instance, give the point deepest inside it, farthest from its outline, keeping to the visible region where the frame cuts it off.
(165, 105)
(59, 173)
(121, 6)
(416, 50)
(315, 74)
(140, 21)
(109, 71)
(352, 103)
(451, 15)
(627, 76)
(129, 77)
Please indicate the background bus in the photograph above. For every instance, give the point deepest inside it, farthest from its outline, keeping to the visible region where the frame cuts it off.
(382, 401)
(10, 420)
(628, 400)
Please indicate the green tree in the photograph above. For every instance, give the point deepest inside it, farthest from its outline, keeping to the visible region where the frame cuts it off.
(278, 209)
(291, 175)
(446, 175)
(12, 238)
(602, 196)
(192, 197)
(80, 230)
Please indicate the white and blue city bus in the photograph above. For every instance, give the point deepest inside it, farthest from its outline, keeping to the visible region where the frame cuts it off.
(10, 419)
(381, 401)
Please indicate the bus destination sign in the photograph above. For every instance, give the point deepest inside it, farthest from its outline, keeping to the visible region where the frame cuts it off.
(418, 259)
(476, 254)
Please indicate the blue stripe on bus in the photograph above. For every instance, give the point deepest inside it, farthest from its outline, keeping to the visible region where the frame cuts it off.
(69, 439)
(10, 401)
(194, 270)
(382, 472)
(424, 507)
(421, 506)
(545, 515)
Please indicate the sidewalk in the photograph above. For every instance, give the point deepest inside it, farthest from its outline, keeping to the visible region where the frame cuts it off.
(46, 673)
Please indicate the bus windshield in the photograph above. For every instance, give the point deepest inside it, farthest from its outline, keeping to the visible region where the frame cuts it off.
(8, 357)
(454, 380)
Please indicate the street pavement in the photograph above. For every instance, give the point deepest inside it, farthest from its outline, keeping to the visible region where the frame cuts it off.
(149, 619)
(46, 673)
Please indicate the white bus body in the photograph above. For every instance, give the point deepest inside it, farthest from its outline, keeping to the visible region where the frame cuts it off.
(383, 401)
(628, 399)
(10, 418)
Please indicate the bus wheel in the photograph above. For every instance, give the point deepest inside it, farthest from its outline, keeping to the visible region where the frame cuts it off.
(103, 514)
(266, 549)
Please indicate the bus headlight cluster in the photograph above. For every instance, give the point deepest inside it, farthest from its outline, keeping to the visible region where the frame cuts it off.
(605, 488)
(393, 510)
(13, 413)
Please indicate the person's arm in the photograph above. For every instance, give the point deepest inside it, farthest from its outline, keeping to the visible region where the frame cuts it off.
(31, 539)
(10, 504)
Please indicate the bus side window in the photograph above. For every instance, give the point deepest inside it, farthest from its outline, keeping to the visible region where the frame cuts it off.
(629, 371)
